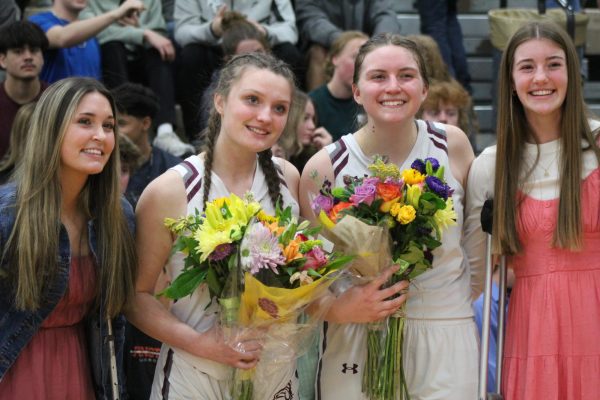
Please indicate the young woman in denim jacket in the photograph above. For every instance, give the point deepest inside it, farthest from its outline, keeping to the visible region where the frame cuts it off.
(68, 255)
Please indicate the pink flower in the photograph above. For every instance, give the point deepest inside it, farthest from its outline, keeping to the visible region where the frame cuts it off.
(364, 193)
(315, 259)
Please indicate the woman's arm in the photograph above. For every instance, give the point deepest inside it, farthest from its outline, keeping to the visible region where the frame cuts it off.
(166, 197)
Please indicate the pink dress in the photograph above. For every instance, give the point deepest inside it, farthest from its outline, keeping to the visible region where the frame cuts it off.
(553, 331)
(54, 364)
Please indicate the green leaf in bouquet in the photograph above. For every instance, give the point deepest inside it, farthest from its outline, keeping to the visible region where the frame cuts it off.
(312, 231)
(404, 265)
(434, 199)
(338, 262)
(440, 173)
(419, 268)
(184, 284)
(413, 255)
(214, 282)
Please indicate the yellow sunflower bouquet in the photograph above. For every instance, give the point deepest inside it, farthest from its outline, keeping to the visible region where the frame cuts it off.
(265, 270)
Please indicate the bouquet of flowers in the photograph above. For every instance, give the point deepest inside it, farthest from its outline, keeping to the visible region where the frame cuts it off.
(390, 217)
(265, 270)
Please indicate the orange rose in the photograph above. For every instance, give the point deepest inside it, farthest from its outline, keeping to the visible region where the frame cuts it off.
(388, 191)
(333, 214)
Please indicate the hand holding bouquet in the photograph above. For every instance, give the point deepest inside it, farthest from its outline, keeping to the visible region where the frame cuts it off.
(389, 217)
(264, 270)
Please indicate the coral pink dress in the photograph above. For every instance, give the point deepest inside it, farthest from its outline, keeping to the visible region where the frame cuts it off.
(553, 331)
(54, 365)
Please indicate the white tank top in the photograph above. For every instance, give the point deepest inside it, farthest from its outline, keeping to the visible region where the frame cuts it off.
(195, 309)
(444, 291)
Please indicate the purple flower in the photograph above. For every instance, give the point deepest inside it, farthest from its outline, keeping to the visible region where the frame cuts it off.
(419, 165)
(322, 202)
(364, 193)
(434, 163)
(373, 180)
(438, 187)
(221, 251)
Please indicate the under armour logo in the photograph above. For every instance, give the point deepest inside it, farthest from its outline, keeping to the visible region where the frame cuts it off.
(285, 393)
(346, 368)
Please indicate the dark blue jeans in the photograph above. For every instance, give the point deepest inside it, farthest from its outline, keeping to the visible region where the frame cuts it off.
(439, 20)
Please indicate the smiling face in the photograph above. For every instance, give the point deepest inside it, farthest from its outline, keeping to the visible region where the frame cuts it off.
(390, 87)
(24, 63)
(256, 109)
(539, 75)
(89, 138)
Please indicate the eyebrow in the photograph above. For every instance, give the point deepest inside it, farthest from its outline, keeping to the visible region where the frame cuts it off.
(555, 57)
(91, 114)
(257, 92)
(385, 70)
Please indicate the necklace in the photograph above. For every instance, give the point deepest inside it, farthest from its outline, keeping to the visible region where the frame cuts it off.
(547, 168)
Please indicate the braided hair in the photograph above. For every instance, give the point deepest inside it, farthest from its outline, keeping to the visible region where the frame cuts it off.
(231, 73)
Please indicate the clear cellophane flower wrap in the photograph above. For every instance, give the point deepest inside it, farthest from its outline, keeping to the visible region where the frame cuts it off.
(391, 217)
(252, 310)
(371, 245)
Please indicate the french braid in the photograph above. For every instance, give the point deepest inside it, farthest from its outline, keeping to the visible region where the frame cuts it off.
(230, 73)
(265, 161)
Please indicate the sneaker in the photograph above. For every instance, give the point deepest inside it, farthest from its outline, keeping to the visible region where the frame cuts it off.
(170, 142)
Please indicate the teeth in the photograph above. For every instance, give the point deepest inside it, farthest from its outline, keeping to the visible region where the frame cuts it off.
(258, 131)
(541, 92)
(93, 151)
(392, 103)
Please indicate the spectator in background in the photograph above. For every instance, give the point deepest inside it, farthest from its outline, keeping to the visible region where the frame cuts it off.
(334, 104)
(18, 138)
(130, 157)
(449, 103)
(138, 106)
(199, 31)
(9, 12)
(142, 53)
(74, 50)
(321, 22)
(301, 138)
(436, 67)
(439, 20)
(21, 47)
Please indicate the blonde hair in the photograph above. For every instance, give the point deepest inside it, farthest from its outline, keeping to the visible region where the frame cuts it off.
(230, 74)
(338, 46)
(33, 245)
(289, 139)
(513, 131)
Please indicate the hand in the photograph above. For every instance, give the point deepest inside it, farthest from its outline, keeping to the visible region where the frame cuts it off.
(321, 138)
(129, 8)
(162, 44)
(370, 302)
(245, 355)
(216, 23)
(130, 20)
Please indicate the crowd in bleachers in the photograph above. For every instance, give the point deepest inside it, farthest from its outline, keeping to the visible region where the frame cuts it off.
(164, 76)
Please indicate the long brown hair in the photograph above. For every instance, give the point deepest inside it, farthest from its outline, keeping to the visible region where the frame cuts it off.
(513, 131)
(32, 248)
(230, 74)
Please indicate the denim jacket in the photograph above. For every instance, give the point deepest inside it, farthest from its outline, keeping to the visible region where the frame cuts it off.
(18, 327)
